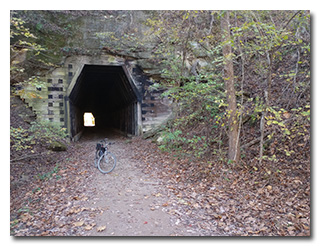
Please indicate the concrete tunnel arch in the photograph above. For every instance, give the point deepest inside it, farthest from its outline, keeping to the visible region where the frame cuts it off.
(109, 92)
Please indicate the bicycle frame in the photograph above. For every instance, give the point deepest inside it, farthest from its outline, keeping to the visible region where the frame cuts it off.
(102, 147)
(102, 153)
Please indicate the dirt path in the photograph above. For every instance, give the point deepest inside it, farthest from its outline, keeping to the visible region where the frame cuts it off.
(131, 202)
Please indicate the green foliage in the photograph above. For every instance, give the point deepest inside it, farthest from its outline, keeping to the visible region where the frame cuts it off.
(30, 87)
(48, 175)
(22, 38)
(288, 127)
(200, 113)
(23, 44)
(47, 132)
(259, 38)
(267, 47)
(18, 29)
(280, 118)
(20, 138)
(44, 132)
(170, 140)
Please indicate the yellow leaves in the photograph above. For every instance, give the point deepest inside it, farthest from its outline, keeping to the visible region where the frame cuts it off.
(157, 195)
(76, 210)
(101, 228)
(78, 223)
(89, 227)
(33, 95)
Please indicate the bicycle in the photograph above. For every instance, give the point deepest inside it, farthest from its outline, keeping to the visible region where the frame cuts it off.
(105, 161)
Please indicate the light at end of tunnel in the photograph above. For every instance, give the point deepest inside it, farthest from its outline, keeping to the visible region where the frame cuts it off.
(88, 119)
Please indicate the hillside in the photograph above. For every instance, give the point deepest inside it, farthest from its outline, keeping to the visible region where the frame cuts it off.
(234, 158)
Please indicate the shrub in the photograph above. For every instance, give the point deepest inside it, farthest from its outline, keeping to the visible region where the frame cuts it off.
(43, 132)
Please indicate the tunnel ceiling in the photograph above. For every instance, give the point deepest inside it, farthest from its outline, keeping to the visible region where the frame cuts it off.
(101, 87)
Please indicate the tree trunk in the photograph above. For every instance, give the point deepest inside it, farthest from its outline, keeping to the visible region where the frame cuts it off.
(267, 94)
(234, 145)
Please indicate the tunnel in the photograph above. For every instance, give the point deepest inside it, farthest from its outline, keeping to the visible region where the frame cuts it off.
(109, 93)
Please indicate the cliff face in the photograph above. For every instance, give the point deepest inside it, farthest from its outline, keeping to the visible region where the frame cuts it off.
(91, 33)
(128, 34)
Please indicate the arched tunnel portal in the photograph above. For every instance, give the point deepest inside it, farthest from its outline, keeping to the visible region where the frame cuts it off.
(109, 93)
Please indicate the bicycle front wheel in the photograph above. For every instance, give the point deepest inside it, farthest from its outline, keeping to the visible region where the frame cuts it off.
(96, 158)
(107, 162)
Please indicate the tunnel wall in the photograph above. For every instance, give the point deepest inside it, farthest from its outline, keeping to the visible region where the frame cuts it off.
(77, 125)
(54, 105)
(125, 120)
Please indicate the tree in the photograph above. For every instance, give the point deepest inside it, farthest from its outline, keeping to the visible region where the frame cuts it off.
(234, 143)
(23, 45)
(271, 39)
(271, 42)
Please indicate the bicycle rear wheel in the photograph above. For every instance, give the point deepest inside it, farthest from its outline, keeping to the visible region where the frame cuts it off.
(107, 162)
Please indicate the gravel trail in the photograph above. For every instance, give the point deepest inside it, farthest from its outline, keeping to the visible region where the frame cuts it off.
(132, 203)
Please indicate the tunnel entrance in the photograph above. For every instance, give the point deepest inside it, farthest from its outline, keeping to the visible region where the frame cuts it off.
(109, 93)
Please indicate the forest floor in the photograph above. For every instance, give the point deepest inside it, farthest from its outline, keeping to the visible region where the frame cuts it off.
(148, 194)
(75, 199)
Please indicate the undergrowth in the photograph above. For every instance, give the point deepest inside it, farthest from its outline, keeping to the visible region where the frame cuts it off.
(42, 132)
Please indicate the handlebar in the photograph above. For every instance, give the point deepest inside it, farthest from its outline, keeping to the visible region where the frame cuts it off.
(106, 142)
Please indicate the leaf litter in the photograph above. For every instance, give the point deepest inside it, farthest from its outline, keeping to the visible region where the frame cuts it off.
(208, 200)
(220, 200)
(55, 206)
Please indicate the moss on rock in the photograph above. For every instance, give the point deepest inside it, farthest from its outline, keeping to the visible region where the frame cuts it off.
(57, 146)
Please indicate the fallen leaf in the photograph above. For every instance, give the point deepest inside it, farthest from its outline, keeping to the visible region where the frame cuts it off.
(79, 223)
(269, 187)
(264, 229)
(101, 228)
(196, 205)
(216, 216)
(286, 115)
(45, 233)
(25, 217)
(74, 210)
(89, 227)
(305, 227)
(291, 228)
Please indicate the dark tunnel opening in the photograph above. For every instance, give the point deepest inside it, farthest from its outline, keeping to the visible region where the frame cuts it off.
(110, 95)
